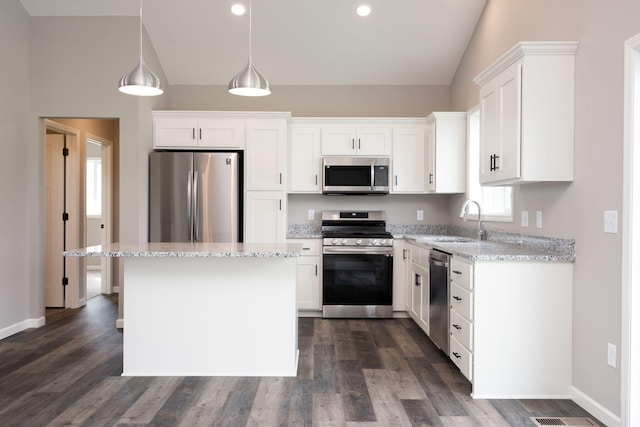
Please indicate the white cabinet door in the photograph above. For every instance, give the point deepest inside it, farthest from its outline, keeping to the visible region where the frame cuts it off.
(500, 121)
(339, 141)
(175, 132)
(265, 219)
(309, 270)
(266, 155)
(373, 141)
(446, 152)
(304, 160)
(400, 273)
(408, 160)
(221, 133)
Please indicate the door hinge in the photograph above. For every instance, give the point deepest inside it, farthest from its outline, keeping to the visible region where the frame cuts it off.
(65, 281)
(65, 152)
(65, 216)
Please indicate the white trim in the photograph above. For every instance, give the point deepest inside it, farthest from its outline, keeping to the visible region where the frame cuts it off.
(594, 408)
(630, 348)
(21, 326)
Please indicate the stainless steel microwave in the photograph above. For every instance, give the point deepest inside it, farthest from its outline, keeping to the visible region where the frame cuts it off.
(355, 175)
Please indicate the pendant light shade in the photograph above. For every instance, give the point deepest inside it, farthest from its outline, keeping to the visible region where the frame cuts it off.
(140, 81)
(249, 82)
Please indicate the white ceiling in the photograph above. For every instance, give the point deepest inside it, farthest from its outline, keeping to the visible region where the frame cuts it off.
(297, 42)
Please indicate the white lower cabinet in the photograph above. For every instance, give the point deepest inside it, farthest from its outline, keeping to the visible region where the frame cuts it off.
(510, 327)
(400, 272)
(309, 275)
(418, 286)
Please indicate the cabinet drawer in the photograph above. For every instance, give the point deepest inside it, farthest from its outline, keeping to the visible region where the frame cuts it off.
(310, 247)
(462, 273)
(462, 357)
(462, 301)
(461, 329)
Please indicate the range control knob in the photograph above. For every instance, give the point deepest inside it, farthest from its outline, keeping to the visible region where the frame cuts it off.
(383, 242)
(358, 242)
(334, 242)
(344, 241)
(374, 242)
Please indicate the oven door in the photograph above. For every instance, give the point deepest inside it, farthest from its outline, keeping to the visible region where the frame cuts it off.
(357, 282)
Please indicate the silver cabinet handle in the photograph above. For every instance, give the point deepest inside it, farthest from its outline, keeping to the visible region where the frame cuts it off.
(457, 298)
(456, 272)
(457, 356)
(353, 143)
(193, 133)
(396, 178)
(359, 144)
(200, 133)
(281, 178)
(280, 204)
(316, 269)
(456, 326)
(316, 179)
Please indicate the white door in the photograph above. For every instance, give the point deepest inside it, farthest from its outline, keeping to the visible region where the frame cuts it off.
(54, 196)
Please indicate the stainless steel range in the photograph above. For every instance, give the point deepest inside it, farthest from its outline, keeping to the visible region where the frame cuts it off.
(357, 259)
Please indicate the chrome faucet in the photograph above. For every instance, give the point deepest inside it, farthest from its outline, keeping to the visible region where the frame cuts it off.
(463, 215)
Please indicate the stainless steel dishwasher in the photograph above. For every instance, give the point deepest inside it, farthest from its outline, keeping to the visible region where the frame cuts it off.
(439, 299)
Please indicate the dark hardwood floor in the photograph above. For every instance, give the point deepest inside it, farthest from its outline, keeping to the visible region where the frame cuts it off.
(351, 373)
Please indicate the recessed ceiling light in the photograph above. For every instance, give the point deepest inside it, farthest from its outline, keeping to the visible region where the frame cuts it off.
(238, 9)
(363, 10)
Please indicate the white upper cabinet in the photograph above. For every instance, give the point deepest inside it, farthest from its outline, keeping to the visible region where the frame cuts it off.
(356, 141)
(527, 114)
(266, 155)
(446, 152)
(408, 160)
(196, 130)
(304, 160)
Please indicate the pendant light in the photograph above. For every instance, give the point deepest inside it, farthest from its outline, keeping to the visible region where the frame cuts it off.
(140, 81)
(249, 82)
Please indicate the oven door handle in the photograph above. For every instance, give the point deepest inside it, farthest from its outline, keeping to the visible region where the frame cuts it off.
(358, 251)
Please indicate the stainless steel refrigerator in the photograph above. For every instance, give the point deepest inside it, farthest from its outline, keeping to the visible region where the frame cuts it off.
(195, 197)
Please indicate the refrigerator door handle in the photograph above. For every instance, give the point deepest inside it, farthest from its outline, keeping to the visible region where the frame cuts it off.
(196, 236)
(190, 203)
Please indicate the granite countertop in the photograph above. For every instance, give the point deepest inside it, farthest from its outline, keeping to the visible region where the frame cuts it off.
(494, 250)
(202, 250)
(500, 246)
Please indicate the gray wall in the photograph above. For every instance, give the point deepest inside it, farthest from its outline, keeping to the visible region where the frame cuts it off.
(14, 165)
(574, 210)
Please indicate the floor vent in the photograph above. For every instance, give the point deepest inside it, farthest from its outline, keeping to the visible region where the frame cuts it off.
(562, 421)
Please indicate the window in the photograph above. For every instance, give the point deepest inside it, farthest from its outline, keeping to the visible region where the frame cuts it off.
(496, 202)
(94, 186)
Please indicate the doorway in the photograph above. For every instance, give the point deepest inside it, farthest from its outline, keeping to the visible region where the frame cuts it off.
(89, 145)
(630, 410)
(98, 202)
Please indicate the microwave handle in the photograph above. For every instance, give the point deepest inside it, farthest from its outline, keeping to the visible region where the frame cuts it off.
(373, 175)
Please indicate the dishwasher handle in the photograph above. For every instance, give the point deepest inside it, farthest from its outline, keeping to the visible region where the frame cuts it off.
(438, 263)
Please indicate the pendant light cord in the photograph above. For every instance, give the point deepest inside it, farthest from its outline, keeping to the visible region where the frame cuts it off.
(250, 60)
(140, 29)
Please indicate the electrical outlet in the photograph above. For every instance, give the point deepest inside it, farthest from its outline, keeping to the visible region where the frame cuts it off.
(611, 355)
(539, 219)
(420, 215)
(311, 214)
(611, 222)
(524, 218)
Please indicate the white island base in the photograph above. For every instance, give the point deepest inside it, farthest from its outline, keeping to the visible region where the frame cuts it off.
(191, 316)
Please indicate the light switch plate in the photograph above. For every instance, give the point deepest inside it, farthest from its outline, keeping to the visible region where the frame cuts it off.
(524, 218)
(311, 214)
(611, 222)
(539, 219)
(420, 215)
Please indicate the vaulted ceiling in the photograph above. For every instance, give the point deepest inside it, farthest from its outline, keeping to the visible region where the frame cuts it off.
(297, 42)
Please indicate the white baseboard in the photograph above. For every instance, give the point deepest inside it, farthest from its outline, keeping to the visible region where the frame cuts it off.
(21, 326)
(120, 323)
(594, 408)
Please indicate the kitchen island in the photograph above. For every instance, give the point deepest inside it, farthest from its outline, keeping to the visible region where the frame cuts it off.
(207, 309)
